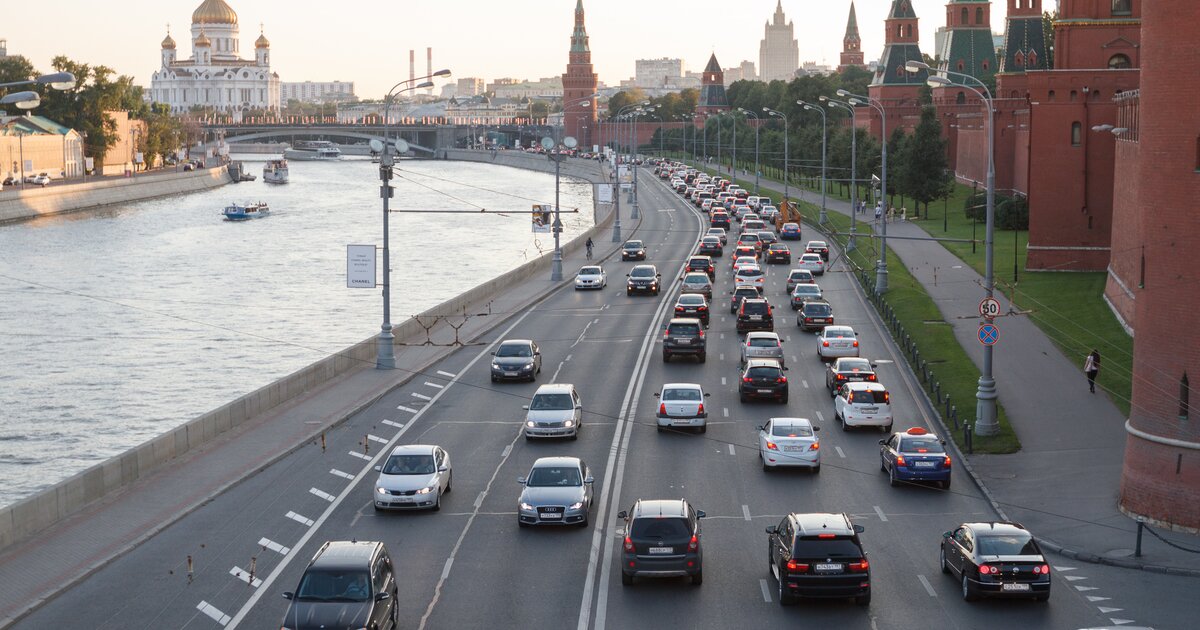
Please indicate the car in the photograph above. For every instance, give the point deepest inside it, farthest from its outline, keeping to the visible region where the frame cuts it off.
(750, 238)
(814, 315)
(763, 345)
(555, 410)
(848, 370)
(711, 246)
(41, 179)
(862, 404)
(706, 205)
(789, 442)
(558, 491)
(744, 251)
(749, 274)
(995, 559)
(414, 476)
(696, 282)
(681, 405)
(591, 277)
(753, 225)
(662, 539)
(753, 201)
(818, 555)
(769, 213)
(633, 250)
(516, 359)
(719, 219)
(742, 194)
(739, 208)
(693, 305)
(702, 263)
(804, 292)
(11, 180)
(799, 276)
(778, 253)
(763, 378)
(720, 233)
(818, 247)
(837, 341)
(915, 455)
(741, 293)
(347, 584)
(741, 258)
(813, 263)
(684, 336)
(643, 279)
(790, 232)
(755, 314)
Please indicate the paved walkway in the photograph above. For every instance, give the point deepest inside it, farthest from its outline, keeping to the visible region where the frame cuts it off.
(1064, 482)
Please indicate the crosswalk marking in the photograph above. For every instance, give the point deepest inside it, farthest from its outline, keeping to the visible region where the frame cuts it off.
(307, 522)
(398, 425)
(322, 494)
(338, 473)
(212, 612)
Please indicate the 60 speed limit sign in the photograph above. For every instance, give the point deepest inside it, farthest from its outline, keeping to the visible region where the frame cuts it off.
(989, 308)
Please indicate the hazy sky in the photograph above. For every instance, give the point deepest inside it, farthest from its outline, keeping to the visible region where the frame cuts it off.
(368, 41)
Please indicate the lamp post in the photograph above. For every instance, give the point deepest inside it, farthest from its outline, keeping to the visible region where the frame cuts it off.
(823, 218)
(633, 136)
(881, 272)
(554, 146)
(385, 356)
(985, 394)
(850, 244)
(756, 126)
(616, 234)
(771, 112)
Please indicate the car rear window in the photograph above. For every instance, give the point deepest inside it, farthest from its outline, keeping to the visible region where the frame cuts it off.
(683, 329)
(791, 430)
(862, 365)
(803, 274)
(921, 445)
(813, 547)
(818, 310)
(696, 278)
(811, 258)
(749, 272)
(869, 397)
(754, 308)
(764, 372)
(692, 395)
(763, 342)
(1008, 545)
(691, 299)
(666, 528)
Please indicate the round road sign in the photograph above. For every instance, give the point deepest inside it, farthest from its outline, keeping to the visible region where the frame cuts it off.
(989, 334)
(989, 308)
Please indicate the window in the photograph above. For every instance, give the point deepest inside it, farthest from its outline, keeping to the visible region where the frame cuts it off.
(966, 16)
(899, 71)
(908, 29)
(1050, 96)
(960, 99)
(986, 65)
(1184, 404)
(1074, 96)
(1122, 7)
(1076, 129)
(1019, 59)
(961, 66)
(1119, 61)
(979, 15)
(1033, 57)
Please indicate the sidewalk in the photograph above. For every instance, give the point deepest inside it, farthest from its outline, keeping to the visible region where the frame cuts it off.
(1064, 483)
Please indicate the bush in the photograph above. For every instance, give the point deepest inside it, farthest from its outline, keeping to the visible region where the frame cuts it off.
(1012, 214)
(975, 206)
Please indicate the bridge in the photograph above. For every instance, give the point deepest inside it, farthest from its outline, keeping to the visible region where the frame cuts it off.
(423, 138)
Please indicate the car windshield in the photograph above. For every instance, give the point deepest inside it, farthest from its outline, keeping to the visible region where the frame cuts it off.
(1007, 545)
(692, 395)
(764, 372)
(334, 586)
(779, 248)
(668, 528)
(819, 310)
(633, 245)
(791, 430)
(923, 444)
(642, 272)
(838, 333)
(747, 238)
(712, 240)
(849, 365)
(547, 476)
(551, 401)
(589, 271)
(409, 465)
(840, 548)
(744, 292)
(514, 350)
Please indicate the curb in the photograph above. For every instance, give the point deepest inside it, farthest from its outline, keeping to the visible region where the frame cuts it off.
(1086, 556)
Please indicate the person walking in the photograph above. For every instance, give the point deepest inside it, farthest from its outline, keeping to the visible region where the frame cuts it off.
(878, 211)
(588, 244)
(1091, 367)
(891, 214)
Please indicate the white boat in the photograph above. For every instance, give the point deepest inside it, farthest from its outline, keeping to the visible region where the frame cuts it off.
(313, 150)
(276, 172)
(237, 212)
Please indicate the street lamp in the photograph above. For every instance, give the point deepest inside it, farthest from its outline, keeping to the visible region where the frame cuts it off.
(850, 244)
(554, 146)
(985, 395)
(756, 126)
(21, 100)
(616, 234)
(823, 218)
(633, 133)
(881, 272)
(771, 112)
(385, 356)
(56, 81)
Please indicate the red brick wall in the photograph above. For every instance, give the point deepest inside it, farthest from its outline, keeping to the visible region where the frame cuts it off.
(1125, 260)
(644, 132)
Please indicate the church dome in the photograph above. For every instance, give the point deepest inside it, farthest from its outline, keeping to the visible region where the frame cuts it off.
(214, 12)
(262, 42)
(168, 42)
(202, 40)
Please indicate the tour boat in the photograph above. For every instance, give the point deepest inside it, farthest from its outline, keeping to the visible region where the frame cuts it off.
(238, 212)
(313, 150)
(276, 172)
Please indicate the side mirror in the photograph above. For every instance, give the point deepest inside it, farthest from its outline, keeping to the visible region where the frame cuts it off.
(707, 395)
(947, 534)
(379, 469)
(622, 514)
(858, 529)
(874, 365)
(816, 428)
(771, 529)
(699, 513)
(538, 353)
(762, 427)
(943, 442)
(525, 407)
(785, 369)
(882, 442)
(521, 480)
(379, 597)
(289, 595)
(589, 479)
(626, 275)
(443, 469)
(493, 354)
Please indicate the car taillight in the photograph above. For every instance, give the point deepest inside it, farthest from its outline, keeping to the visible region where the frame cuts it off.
(701, 411)
(746, 379)
(1042, 570)
(771, 446)
(988, 569)
(662, 408)
(694, 543)
(841, 377)
(946, 462)
(678, 309)
(702, 308)
(861, 565)
(887, 398)
(628, 544)
(781, 379)
(808, 319)
(825, 343)
(815, 446)
(855, 344)
(900, 461)
(798, 567)
(870, 377)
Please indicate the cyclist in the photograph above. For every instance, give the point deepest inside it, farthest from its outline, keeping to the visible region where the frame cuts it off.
(588, 244)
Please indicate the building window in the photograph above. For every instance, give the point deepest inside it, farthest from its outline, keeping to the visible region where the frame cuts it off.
(966, 16)
(961, 66)
(899, 71)
(1076, 130)
(961, 99)
(1019, 59)
(1050, 96)
(1122, 7)
(909, 30)
(1119, 61)
(985, 65)
(979, 16)
(1033, 58)
(899, 31)
(1074, 96)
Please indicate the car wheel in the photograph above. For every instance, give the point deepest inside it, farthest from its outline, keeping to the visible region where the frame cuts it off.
(1041, 598)
(437, 502)
(528, 438)
(785, 598)
(698, 578)
(783, 400)
(494, 379)
(892, 478)
(522, 524)
(863, 600)
(817, 469)
(626, 579)
(449, 482)
(575, 435)
(945, 484)
(704, 428)
(659, 427)
(703, 357)
(968, 593)
(942, 559)
(743, 398)
(887, 429)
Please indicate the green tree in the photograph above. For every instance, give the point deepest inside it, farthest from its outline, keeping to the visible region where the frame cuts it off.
(1048, 18)
(84, 107)
(16, 68)
(624, 98)
(925, 169)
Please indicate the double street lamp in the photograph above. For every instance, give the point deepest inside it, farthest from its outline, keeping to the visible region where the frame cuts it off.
(616, 234)
(756, 126)
(881, 272)
(823, 218)
(850, 244)
(553, 147)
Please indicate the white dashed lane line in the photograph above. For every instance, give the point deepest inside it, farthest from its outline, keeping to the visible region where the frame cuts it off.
(820, 418)
(447, 374)
(408, 409)
(435, 385)
(361, 455)
(805, 383)
(398, 425)
(267, 543)
(212, 612)
(731, 451)
(376, 438)
(322, 494)
(746, 511)
(307, 522)
(766, 590)
(421, 396)
(344, 475)
(927, 585)
(242, 576)
(839, 452)
(880, 513)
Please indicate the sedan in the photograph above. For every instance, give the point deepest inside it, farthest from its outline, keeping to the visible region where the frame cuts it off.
(696, 282)
(643, 279)
(837, 341)
(414, 476)
(763, 345)
(814, 315)
(813, 263)
(719, 233)
(692, 305)
(558, 491)
(711, 246)
(763, 378)
(778, 253)
(790, 232)
(742, 259)
(633, 250)
(591, 277)
(799, 276)
(802, 293)
(789, 442)
(846, 370)
(995, 559)
(516, 359)
(818, 247)
(915, 455)
(681, 405)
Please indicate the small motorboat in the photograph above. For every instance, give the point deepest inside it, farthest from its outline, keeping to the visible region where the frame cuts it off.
(237, 212)
(276, 172)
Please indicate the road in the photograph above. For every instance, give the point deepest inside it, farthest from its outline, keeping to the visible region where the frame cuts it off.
(470, 566)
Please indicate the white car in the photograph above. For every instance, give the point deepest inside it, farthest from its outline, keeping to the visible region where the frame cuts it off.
(789, 442)
(41, 179)
(799, 276)
(591, 277)
(769, 213)
(751, 275)
(555, 411)
(863, 404)
(414, 476)
(837, 341)
(742, 261)
(681, 405)
(763, 345)
(813, 263)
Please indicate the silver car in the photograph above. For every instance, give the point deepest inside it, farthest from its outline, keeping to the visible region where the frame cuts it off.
(414, 476)
(558, 491)
(696, 282)
(681, 405)
(555, 411)
(799, 276)
(763, 345)
(837, 341)
(804, 293)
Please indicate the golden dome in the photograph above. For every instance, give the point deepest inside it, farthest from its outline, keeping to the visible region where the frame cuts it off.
(262, 42)
(214, 12)
(202, 40)
(168, 42)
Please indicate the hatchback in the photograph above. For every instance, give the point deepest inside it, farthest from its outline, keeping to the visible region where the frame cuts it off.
(863, 404)
(718, 232)
(558, 491)
(790, 232)
(763, 345)
(803, 292)
(763, 378)
(837, 341)
(995, 559)
(719, 219)
(749, 274)
(814, 315)
(915, 455)
(753, 225)
(799, 276)
(681, 405)
(742, 258)
(755, 314)
(693, 305)
(818, 555)
(751, 239)
(767, 238)
(662, 539)
(347, 584)
(702, 263)
(414, 476)
(813, 263)
(789, 442)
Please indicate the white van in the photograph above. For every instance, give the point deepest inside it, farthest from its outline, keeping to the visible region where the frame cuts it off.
(863, 404)
(555, 411)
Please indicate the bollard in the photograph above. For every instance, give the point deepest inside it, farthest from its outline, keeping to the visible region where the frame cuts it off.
(937, 391)
(947, 404)
(954, 415)
(1141, 523)
(322, 442)
(967, 437)
(190, 569)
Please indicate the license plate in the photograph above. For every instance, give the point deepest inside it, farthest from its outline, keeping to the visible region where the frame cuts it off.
(756, 318)
(828, 567)
(510, 373)
(684, 341)
(793, 448)
(764, 391)
(683, 421)
(1010, 586)
(869, 410)
(403, 499)
(924, 464)
(550, 516)
(661, 549)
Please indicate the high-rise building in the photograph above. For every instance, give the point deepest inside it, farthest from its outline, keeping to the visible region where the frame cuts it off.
(579, 85)
(658, 73)
(470, 86)
(712, 98)
(779, 53)
(852, 54)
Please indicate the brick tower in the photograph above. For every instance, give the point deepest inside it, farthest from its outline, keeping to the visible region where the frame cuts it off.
(968, 47)
(579, 87)
(712, 91)
(852, 54)
(1161, 476)
(897, 89)
(1024, 39)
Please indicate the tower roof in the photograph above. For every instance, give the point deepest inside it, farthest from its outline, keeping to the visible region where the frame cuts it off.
(202, 39)
(852, 25)
(902, 9)
(262, 41)
(168, 42)
(214, 12)
(713, 66)
(779, 17)
(579, 38)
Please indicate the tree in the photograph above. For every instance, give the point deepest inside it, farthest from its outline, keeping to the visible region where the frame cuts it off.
(16, 68)
(623, 99)
(925, 169)
(1048, 35)
(84, 107)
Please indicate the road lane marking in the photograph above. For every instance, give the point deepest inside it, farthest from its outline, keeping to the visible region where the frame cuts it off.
(745, 511)
(322, 494)
(725, 411)
(722, 334)
(1119, 622)
(585, 329)
(449, 374)
(343, 475)
(446, 568)
(820, 418)
(398, 425)
(731, 451)
(242, 576)
(408, 409)
(435, 385)
(569, 356)
(267, 543)
(1096, 598)
(421, 396)
(927, 585)
(1074, 578)
(554, 379)
(766, 591)
(839, 452)
(213, 613)
(376, 438)
(1058, 568)
(307, 522)
(1106, 609)
(880, 513)
(361, 455)
(722, 380)
(722, 356)
(1081, 588)
(507, 450)
(805, 383)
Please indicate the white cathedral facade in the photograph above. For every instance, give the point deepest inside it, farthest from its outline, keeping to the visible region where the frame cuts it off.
(216, 76)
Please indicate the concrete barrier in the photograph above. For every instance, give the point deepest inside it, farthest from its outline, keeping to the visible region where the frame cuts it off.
(32, 202)
(24, 519)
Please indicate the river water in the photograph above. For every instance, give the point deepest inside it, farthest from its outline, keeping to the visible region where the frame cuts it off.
(119, 325)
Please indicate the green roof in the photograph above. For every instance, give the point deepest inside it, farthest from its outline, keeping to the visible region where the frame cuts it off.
(973, 47)
(902, 9)
(1024, 35)
(891, 65)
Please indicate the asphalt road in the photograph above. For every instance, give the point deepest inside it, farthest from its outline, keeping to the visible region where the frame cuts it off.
(470, 566)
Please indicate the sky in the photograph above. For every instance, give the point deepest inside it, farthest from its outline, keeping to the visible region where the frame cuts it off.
(367, 41)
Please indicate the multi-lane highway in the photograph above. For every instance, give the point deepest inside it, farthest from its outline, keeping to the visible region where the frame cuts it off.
(470, 566)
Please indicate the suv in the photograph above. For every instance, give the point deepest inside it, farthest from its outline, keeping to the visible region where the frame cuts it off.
(633, 250)
(555, 411)
(352, 583)
(818, 555)
(743, 292)
(684, 335)
(662, 539)
(702, 263)
(719, 219)
(763, 378)
(755, 314)
(642, 279)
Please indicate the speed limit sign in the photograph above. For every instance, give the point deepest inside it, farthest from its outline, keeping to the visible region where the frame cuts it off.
(989, 308)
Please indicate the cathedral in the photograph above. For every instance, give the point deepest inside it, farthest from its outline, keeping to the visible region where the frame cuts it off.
(216, 76)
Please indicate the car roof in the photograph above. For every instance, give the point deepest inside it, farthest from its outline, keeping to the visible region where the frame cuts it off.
(515, 342)
(807, 284)
(866, 386)
(763, 363)
(682, 386)
(645, 267)
(816, 243)
(548, 462)
(684, 320)
(413, 449)
(345, 554)
(703, 257)
(690, 296)
(653, 508)
(554, 388)
(996, 527)
(810, 255)
(811, 524)
(791, 422)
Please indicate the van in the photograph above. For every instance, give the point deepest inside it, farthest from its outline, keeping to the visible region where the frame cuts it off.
(554, 411)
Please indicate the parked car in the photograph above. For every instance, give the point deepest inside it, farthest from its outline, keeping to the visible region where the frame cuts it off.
(763, 378)
(591, 277)
(516, 359)
(347, 584)
(662, 539)
(837, 341)
(643, 279)
(684, 336)
(763, 345)
(995, 559)
(556, 410)
(558, 491)
(818, 555)
(681, 405)
(789, 442)
(814, 315)
(414, 476)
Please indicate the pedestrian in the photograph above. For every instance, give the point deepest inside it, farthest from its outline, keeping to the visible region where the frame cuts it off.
(1091, 367)
(903, 214)
(891, 214)
(878, 211)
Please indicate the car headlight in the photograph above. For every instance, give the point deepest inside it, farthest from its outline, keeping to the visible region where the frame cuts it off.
(381, 490)
(575, 506)
(569, 423)
(525, 506)
(427, 490)
(529, 423)
(496, 366)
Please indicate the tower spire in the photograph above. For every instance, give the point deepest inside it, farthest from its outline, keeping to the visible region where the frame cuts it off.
(579, 38)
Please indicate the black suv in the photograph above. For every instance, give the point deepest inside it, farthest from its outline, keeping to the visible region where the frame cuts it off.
(702, 263)
(662, 539)
(814, 315)
(346, 585)
(744, 292)
(763, 378)
(818, 555)
(643, 279)
(684, 335)
(633, 250)
(755, 314)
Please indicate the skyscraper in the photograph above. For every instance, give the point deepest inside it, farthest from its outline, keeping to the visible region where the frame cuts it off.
(778, 54)
(579, 86)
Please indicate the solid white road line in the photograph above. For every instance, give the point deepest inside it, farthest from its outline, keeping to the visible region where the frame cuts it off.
(731, 451)
(361, 455)
(746, 511)
(376, 438)
(507, 450)
(212, 612)
(267, 543)
(398, 425)
(435, 385)
(343, 475)
(421, 396)
(241, 575)
(880, 513)
(554, 379)
(805, 383)
(449, 374)
(408, 409)
(927, 585)
(839, 452)
(321, 493)
(766, 591)
(307, 522)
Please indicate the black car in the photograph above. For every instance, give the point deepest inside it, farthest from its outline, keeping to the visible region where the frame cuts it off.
(818, 555)
(740, 293)
(711, 246)
(848, 369)
(755, 314)
(643, 279)
(662, 539)
(719, 219)
(814, 315)
(763, 378)
(995, 559)
(633, 250)
(516, 359)
(702, 263)
(693, 305)
(684, 336)
(778, 253)
(347, 584)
